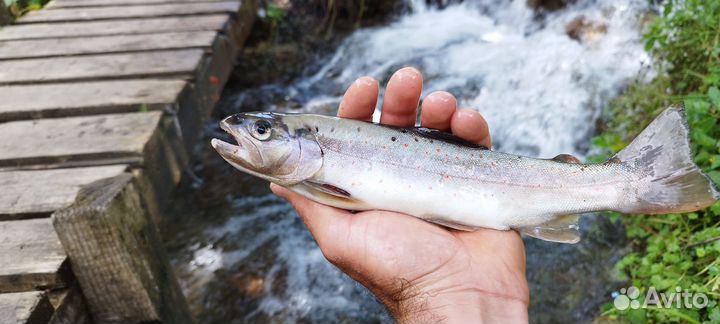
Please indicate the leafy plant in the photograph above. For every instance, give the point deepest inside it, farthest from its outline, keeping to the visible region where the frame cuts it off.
(677, 250)
(18, 8)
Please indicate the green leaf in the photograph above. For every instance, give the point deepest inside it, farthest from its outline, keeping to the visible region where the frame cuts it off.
(714, 95)
(274, 12)
(715, 208)
(715, 176)
(714, 315)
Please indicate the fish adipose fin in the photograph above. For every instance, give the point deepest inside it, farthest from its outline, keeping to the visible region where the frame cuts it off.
(566, 158)
(562, 229)
(668, 179)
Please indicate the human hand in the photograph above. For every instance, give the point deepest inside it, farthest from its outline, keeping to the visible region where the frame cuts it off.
(422, 272)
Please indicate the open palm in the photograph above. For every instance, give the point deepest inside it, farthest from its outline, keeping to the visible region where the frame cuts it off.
(422, 272)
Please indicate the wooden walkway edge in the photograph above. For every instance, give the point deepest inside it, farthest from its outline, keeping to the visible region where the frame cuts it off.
(102, 101)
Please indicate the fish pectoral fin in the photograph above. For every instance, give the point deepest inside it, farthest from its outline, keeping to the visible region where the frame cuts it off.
(566, 158)
(328, 188)
(561, 229)
(329, 195)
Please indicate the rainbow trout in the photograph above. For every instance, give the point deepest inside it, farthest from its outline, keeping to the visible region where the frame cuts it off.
(440, 178)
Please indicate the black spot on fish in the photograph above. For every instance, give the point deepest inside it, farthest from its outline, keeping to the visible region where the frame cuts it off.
(416, 139)
(317, 129)
(358, 129)
(332, 129)
(393, 138)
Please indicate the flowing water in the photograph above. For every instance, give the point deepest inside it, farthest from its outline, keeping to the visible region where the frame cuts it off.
(243, 255)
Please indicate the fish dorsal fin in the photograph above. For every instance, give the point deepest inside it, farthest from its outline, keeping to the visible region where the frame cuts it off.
(561, 229)
(566, 158)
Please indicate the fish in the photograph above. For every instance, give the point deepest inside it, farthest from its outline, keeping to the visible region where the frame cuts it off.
(440, 178)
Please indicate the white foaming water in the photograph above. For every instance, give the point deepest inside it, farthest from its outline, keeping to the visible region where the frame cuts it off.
(540, 90)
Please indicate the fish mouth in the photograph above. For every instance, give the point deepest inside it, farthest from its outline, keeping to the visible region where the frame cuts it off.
(228, 151)
(236, 154)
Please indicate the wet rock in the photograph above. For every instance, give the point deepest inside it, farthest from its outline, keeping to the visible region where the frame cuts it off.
(549, 5)
(585, 31)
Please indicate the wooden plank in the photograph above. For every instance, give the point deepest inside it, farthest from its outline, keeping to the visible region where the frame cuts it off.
(214, 22)
(32, 256)
(27, 307)
(32, 193)
(145, 140)
(102, 3)
(138, 11)
(21, 49)
(132, 282)
(77, 141)
(179, 63)
(88, 98)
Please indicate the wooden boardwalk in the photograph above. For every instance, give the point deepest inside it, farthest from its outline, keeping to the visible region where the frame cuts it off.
(100, 102)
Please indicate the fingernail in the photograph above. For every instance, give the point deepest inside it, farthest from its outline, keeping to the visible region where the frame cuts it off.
(441, 96)
(365, 81)
(410, 73)
(467, 113)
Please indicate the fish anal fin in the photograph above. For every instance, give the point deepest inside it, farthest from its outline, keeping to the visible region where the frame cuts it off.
(566, 158)
(562, 229)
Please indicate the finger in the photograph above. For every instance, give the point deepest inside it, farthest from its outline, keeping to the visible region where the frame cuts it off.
(328, 225)
(469, 125)
(437, 110)
(401, 98)
(360, 99)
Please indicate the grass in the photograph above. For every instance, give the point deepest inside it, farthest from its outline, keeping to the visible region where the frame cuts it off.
(677, 250)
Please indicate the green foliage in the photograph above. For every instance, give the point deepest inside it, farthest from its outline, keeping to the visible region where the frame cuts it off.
(678, 249)
(18, 8)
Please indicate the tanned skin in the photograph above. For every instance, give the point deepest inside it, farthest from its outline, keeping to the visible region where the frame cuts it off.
(420, 271)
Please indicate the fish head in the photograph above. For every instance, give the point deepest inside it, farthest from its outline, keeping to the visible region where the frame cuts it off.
(269, 147)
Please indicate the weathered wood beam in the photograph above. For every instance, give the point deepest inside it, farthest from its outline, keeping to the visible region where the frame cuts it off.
(136, 11)
(145, 140)
(77, 141)
(118, 257)
(132, 26)
(25, 49)
(31, 256)
(91, 98)
(25, 308)
(27, 194)
(158, 64)
(55, 4)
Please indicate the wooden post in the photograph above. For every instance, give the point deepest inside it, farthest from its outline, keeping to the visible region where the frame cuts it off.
(117, 256)
(4, 14)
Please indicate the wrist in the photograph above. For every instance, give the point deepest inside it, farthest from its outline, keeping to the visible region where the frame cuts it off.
(461, 307)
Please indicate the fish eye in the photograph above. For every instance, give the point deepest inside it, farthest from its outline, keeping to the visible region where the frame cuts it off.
(262, 130)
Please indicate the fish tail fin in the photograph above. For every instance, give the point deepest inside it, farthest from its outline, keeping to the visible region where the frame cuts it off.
(669, 181)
